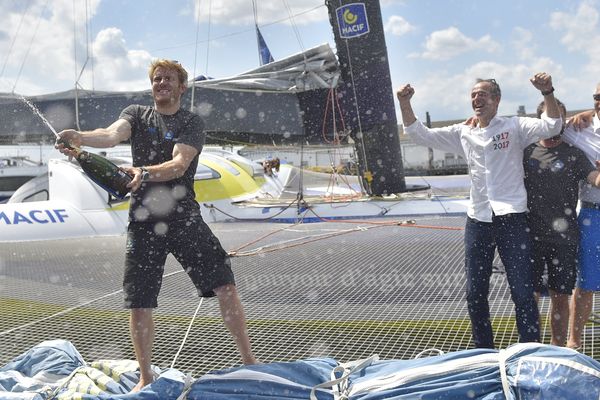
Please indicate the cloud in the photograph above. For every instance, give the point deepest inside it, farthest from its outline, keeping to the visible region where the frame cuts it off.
(522, 40)
(50, 66)
(240, 12)
(451, 42)
(398, 26)
(36, 30)
(110, 43)
(578, 29)
(386, 3)
(116, 67)
(580, 32)
(30, 32)
(444, 94)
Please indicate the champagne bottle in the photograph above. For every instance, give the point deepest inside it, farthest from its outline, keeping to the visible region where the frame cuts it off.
(103, 172)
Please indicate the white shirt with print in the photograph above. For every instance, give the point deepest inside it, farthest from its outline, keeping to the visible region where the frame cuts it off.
(494, 156)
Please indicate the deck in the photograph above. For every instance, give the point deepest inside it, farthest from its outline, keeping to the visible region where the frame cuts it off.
(341, 289)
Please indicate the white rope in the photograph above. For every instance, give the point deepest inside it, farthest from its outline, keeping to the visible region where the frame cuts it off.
(187, 333)
(435, 352)
(187, 386)
(37, 25)
(12, 44)
(208, 36)
(88, 31)
(236, 33)
(255, 12)
(294, 26)
(339, 385)
(195, 57)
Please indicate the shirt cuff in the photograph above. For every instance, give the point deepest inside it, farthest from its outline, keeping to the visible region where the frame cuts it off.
(411, 125)
(546, 117)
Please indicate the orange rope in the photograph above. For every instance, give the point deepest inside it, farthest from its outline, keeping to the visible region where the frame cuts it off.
(234, 251)
(406, 224)
(376, 224)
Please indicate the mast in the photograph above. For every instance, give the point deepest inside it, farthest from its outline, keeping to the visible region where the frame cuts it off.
(429, 149)
(367, 91)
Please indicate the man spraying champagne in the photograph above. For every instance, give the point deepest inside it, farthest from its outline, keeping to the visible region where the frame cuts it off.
(164, 216)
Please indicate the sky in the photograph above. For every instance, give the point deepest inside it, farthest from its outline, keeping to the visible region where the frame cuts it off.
(438, 46)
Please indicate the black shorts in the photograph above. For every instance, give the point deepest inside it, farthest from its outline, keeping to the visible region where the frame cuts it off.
(560, 260)
(190, 241)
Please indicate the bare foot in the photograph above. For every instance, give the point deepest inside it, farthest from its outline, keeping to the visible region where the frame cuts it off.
(137, 387)
(251, 361)
(140, 385)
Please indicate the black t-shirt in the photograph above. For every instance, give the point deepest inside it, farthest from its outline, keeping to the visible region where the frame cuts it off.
(153, 137)
(552, 177)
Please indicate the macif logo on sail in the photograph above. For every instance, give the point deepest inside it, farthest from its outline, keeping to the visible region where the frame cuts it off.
(352, 20)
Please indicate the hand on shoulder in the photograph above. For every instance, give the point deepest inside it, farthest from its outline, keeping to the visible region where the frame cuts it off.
(582, 120)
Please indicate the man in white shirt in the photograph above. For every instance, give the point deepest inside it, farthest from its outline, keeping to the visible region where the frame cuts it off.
(588, 277)
(493, 150)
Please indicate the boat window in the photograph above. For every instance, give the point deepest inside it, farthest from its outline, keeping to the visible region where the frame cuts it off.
(42, 195)
(12, 183)
(204, 172)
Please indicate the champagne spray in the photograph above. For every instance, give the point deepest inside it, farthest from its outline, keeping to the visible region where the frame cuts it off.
(102, 171)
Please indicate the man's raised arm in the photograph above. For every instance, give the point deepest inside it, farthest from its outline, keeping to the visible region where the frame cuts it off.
(404, 95)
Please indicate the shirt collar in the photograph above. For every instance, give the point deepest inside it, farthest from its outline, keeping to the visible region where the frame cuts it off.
(493, 122)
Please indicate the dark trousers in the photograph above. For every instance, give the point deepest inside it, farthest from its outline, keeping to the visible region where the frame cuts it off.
(510, 234)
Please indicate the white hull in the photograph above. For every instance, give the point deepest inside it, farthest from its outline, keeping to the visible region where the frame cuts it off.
(79, 208)
(314, 210)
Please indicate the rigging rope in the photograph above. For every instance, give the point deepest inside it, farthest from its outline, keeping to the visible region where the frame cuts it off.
(208, 36)
(294, 26)
(300, 196)
(241, 32)
(14, 38)
(187, 333)
(288, 205)
(336, 141)
(195, 57)
(75, 54)
(89, 40)
(37, 25)
(255, 13)
(87, 57)
(295, 242)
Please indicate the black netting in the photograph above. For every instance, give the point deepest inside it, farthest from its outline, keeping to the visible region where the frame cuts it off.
(341, 289)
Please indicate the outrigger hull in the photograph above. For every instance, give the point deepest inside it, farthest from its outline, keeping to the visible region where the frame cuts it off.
(228, 188)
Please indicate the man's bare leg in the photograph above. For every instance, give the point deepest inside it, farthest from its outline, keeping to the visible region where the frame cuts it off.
(141, 326)
(581, 308)
(559, 318)
(235, 320)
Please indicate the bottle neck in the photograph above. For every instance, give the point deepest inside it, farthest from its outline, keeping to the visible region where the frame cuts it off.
(67, 145)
